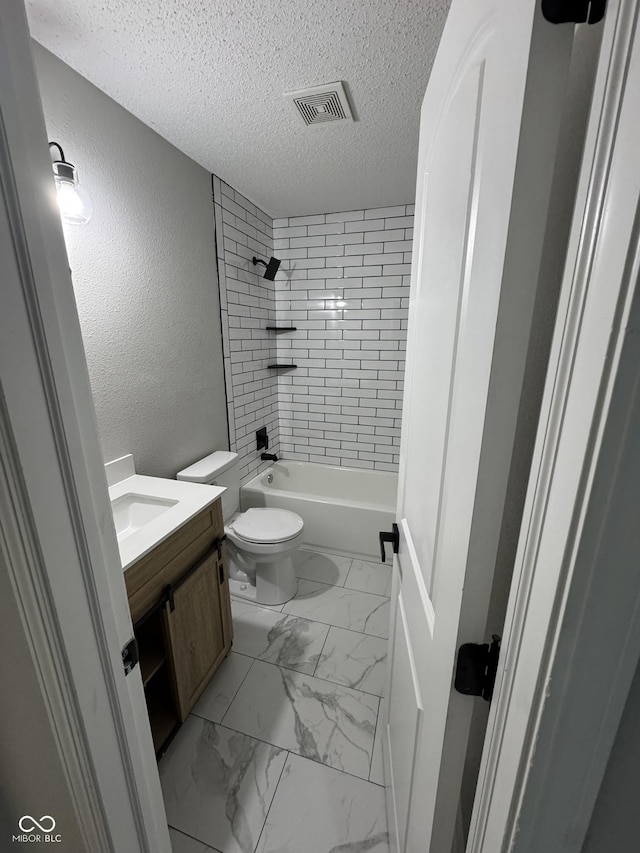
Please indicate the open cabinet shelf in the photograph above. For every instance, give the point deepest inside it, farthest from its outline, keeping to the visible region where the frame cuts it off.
(163, 715)
(152, 665)
(156, 678)
(151, 647)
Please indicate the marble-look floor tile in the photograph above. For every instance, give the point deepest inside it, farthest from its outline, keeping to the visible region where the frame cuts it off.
(319, 720)
(377, 768)
(218, 785)
(370, 577)
(277, 637)
(357, 660)
(320, 810)
(344, 608)
(181, 843)
(218, 694)
(326, 568)
(255, 604)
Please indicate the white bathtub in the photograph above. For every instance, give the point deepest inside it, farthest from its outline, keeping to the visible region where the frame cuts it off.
(343, 509)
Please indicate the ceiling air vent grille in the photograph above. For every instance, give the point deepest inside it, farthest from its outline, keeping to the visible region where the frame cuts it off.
(321, 104)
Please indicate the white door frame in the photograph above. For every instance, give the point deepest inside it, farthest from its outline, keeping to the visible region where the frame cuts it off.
(572, 634)
(58, 540)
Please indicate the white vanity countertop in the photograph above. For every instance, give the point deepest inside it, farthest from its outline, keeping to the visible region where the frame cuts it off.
(191, 499)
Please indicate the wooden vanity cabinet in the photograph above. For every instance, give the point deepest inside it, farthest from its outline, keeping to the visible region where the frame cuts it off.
(179, 601)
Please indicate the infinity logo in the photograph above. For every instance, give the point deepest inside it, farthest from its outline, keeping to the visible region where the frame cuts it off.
(28, 823)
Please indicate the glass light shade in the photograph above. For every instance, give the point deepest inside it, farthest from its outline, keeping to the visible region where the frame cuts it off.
(76, 207)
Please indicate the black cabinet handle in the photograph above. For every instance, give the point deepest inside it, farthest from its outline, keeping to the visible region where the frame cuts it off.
(393, 537)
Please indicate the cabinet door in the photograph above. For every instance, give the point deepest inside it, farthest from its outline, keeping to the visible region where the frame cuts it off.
(225, 598)
(195, 632)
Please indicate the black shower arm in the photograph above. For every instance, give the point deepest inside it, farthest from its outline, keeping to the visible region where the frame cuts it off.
(259, 261)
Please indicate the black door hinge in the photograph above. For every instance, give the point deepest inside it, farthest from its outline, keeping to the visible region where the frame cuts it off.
(130, 655)
(393, 537)
(573, 11)
(476, 668)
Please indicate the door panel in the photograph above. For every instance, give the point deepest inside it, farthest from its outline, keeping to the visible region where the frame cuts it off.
(225, 598)
(448, 192)
(488, 137)
(406, 714)
(195, 630)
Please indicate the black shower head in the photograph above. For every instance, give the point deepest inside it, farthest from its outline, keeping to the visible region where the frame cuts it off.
(271, 267)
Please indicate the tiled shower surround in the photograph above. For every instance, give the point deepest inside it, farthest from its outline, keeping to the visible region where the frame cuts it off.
(247, 303)
(344, 284)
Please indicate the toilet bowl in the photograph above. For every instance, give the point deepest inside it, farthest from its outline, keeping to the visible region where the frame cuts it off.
(260, 541)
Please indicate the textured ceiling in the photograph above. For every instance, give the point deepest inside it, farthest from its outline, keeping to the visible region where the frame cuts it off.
(210, 77)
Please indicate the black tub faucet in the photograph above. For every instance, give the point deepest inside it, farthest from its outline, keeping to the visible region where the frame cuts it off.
(268, 457)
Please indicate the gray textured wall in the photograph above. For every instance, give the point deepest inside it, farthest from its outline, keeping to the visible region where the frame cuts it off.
(145, 280)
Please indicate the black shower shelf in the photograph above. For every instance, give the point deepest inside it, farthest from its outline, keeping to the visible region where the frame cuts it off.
(282, 366)
(281, 328)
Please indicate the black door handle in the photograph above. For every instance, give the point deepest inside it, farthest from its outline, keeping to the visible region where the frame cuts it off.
(393, 537)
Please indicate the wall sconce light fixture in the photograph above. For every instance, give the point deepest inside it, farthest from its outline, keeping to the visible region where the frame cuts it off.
(76, 207)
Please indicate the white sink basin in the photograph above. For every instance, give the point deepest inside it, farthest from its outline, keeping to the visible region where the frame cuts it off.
(132, 511)
(146, 510)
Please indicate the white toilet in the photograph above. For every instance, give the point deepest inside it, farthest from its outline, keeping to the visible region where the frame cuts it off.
(260, 541)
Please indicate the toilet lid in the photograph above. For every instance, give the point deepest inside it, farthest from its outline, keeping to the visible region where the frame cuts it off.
(266, 525)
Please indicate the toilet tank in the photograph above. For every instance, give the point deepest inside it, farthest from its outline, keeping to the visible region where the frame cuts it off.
(217, 469)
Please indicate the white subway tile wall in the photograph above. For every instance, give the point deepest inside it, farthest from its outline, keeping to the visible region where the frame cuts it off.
(248, 305)
(344, 285)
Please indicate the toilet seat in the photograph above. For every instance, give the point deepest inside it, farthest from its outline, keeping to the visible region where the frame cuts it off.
(265, 525)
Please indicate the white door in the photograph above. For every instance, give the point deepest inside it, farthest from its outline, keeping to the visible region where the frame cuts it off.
(488, 138)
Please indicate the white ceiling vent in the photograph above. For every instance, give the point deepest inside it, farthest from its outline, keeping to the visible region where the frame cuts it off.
(321, 104)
